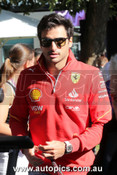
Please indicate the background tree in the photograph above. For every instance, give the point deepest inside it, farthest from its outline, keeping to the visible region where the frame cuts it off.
(98, 12)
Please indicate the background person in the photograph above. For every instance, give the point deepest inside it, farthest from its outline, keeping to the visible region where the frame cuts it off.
(107, 152)
(1, 95)
(110, 164)
(67, 104)
(113, 83)
(37, 53)
(100, 61)
(20, 57)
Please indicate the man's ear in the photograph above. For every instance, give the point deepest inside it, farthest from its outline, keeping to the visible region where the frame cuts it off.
(70, 42)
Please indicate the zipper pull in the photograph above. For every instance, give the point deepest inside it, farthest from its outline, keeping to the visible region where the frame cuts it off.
(53, 91)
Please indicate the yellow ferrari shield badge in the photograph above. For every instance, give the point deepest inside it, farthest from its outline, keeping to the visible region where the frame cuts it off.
(75, 77)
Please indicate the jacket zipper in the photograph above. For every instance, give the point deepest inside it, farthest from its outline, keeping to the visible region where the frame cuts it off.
(56, 80)
(54, 87)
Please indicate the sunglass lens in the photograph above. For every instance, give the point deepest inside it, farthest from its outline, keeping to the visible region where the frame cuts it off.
(60, 42)
(46, 42)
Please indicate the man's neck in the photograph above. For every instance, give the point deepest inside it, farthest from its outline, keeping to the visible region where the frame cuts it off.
(54, 69)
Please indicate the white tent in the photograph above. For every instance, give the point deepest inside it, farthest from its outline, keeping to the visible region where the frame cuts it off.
(13, 25)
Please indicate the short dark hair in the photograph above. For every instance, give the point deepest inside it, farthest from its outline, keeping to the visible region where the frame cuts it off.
(53, 20)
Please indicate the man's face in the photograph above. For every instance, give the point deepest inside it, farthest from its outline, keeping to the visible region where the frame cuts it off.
(53, 53)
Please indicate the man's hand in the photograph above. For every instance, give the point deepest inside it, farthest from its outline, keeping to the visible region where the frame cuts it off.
(53, 150)
(30, 154)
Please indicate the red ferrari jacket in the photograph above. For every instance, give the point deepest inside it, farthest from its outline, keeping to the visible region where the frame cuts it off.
(73, 107)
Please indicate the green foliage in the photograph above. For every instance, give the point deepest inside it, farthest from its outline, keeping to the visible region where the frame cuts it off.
(72, 5)
(20, 5)
(113, 9)
(38, 5)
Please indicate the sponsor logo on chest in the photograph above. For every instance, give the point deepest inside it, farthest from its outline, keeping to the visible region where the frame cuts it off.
(35, 94)
(37, 109)
(73, 108)
(75, 77)
(73, 96)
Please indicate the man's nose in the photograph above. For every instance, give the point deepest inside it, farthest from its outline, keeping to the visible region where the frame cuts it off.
(53, 45)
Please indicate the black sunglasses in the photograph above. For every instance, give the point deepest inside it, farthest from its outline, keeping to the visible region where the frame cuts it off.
(46, 42)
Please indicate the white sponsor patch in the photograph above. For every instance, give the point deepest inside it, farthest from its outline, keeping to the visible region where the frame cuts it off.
(37, 108)
(73, 94)
(103, 96)
(73, 108)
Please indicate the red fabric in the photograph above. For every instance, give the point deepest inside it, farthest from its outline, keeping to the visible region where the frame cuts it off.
(72, 107)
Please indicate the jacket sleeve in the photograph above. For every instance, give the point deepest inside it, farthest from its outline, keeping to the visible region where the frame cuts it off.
(99, 112)
(19, 110)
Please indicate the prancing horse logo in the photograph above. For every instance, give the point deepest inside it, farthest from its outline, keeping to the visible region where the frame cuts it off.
(75, 77)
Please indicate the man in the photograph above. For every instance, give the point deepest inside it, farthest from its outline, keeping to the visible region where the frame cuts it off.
(65, 101)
